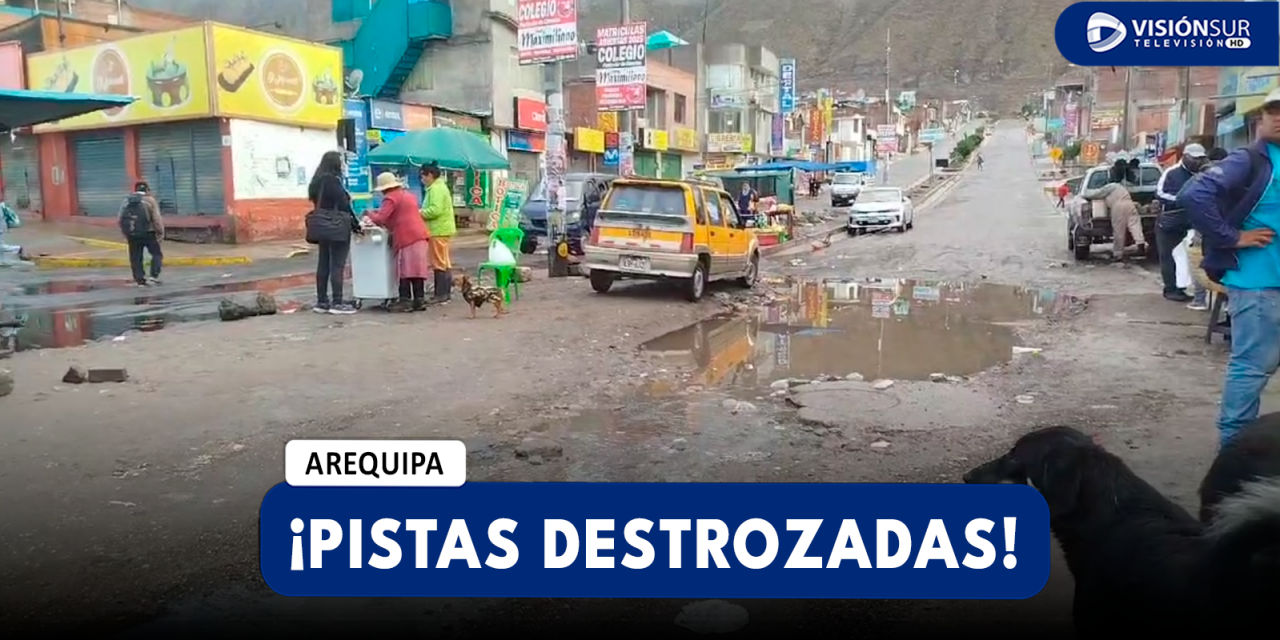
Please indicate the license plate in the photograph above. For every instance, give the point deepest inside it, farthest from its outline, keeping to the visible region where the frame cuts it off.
(633, 263)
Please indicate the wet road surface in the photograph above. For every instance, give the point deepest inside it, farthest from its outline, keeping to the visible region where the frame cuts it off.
(174, 463)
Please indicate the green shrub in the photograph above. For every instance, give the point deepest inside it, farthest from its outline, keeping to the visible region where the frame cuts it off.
(966, 147)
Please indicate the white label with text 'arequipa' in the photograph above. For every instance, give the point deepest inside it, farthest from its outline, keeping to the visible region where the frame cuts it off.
(375, 463)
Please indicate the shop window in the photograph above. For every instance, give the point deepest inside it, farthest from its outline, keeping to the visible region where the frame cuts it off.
(681, 108)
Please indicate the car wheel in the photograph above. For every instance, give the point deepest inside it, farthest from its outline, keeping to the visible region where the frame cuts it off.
(752, 273)
(696, 285)
(528, 246)
(601, 281)
(852, 231)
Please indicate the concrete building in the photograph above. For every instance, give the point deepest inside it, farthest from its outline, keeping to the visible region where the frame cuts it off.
(668, 143)
(741, 88)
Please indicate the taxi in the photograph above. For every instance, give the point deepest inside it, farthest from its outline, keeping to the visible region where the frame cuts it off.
(682, 230)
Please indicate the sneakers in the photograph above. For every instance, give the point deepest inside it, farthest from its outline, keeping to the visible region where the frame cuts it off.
(1199, 303)
(154, 281)
(342, 309)
(1178, 296)
(321, 307)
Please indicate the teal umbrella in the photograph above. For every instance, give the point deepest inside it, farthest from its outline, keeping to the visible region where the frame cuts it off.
(450, 148)
(664, 40)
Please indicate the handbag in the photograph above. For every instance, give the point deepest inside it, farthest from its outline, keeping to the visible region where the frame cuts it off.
(328, 225)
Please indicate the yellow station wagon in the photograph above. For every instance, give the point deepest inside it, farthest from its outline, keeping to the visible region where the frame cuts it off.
(670, 230)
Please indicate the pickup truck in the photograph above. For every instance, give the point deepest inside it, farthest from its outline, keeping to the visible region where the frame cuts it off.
(845, 187)
(1085, 229)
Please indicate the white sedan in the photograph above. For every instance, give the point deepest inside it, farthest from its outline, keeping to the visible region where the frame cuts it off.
(880, 208)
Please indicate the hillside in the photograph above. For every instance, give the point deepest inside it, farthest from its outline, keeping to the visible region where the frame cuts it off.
(1002, 49)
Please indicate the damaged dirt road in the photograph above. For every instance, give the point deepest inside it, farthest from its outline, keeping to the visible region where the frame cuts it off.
(893, 357)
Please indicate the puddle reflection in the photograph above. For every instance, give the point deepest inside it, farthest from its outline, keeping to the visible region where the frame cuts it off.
(880, 328)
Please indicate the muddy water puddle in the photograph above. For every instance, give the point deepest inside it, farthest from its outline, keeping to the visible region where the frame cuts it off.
(51, 320)
(880, 328)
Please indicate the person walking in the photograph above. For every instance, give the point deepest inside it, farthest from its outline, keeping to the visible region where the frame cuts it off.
(400, 215)
(438, 213)
(143, 230)
(1063, 192)
(980, 162)
(1235, 206)
(1173, 224)
(328, 193)
(10, 221)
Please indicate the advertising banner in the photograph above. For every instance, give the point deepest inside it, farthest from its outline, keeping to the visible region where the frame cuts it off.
(275, 79)
(886, 138)
(655, 139)
(687, 140)
(387, 115)
(728, 143)
(508, 196)
(787, 86)
(588, 140)
(547, 30)
(612, 148)
(531, 115)
(168, 71)
(777, 141)
(621, 75)
(526, 141)
(358, 160)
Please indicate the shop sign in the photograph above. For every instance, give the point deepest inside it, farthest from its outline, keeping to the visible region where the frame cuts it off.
(588, 140)
(607, 121)
(417, 117)
(655, 139)
(526, 141)
(728, 143)
(358, 158)
(612, 149)
(169, 72)
(265, 77)
(531, 115)
(787, 80)
(387, 115)
(1104, 119)
(687, 140)
(457, 121)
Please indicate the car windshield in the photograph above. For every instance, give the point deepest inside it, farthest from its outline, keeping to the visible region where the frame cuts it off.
(880, 195)
(572, 189)
(846, 178)
(646, 202)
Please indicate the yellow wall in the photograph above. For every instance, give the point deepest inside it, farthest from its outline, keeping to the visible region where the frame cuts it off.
(223, 71)
(263, 77)
(132, 66)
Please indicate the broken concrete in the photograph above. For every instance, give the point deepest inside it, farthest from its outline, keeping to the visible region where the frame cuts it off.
(108, 375)
(75, 375)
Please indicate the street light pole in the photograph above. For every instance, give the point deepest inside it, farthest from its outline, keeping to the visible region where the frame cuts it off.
(626, 137)
(1128, 99)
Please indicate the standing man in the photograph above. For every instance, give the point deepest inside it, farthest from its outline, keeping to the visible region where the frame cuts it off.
(1173, 224)
(438, 212)
(1200, 295)
(1235, 205)
(143, 229)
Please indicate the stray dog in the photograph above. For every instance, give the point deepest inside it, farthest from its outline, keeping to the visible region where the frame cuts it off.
(477, 296)
(1139, 560)
(1253, 454)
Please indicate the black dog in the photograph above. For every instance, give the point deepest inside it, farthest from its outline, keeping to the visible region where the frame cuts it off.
(1253, 454)
(1139, 561)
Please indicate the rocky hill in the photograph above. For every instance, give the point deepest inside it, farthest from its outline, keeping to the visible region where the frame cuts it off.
(996, 50)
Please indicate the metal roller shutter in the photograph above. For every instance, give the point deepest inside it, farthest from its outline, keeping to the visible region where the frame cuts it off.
(524, 166)
(671, 166)
(580, 162)
(102, 180)
(20, 162)
(182, 162)
(646, 164)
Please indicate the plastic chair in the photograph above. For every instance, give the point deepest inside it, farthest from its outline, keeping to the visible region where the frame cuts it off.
(504, 275)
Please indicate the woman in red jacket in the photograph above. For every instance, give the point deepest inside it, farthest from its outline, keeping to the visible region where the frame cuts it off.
(399, 215)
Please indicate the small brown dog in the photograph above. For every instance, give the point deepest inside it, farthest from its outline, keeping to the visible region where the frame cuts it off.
(477, 296)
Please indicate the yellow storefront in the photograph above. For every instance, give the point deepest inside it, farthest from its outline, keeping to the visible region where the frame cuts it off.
(587, 153)
(226, 116)
(687, 145)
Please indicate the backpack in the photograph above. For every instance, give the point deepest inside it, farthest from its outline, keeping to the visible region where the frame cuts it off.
(135, 220)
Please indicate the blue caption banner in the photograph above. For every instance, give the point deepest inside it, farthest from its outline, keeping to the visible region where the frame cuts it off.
(1170, 34)
(658, 540)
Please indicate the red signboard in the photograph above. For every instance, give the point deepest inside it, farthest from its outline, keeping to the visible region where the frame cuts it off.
(531, 115)
(11, 66)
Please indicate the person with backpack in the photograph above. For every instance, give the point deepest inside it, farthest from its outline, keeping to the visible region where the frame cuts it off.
(1235, 207)
(143, 230)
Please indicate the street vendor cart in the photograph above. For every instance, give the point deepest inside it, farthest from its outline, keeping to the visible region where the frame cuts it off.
(774, 218)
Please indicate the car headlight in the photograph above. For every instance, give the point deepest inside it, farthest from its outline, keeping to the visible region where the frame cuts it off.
(572, 216)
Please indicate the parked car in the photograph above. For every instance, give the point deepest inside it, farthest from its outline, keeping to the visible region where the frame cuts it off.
(533, 215)
(1087, 226)
(881, 208)
(682, 230)
(845, 188)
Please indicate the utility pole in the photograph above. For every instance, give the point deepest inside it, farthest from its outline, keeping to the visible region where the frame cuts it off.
(626, 136)
(1128, 100)
(888, 34)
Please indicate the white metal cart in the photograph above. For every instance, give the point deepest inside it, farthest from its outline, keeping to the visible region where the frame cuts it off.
(373, 268)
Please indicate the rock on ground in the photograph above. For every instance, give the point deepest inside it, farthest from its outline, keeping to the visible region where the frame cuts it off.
(241, 307)
(6, 382)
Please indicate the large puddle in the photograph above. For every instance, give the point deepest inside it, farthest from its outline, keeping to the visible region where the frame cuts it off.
(56, 315)
(880, 328)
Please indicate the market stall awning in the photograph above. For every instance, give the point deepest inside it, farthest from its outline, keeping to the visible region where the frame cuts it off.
(23, 108)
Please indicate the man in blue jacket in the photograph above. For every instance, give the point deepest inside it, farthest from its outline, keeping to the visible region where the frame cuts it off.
(1172, 225)
(1235, 206)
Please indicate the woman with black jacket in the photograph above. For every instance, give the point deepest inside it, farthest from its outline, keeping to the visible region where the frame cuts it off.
(328, 190)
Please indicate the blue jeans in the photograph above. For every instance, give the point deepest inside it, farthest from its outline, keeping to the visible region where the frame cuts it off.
(1255, 355)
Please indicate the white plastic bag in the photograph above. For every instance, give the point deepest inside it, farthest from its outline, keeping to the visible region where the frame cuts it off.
(500, 254)
(1182, 263)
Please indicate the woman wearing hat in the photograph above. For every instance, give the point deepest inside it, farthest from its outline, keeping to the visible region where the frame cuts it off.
(399, 215)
